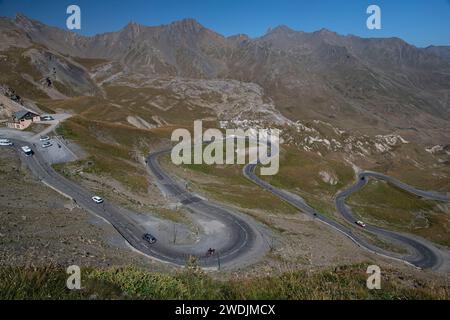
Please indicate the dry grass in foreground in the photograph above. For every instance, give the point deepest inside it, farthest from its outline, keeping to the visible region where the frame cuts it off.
(347, 282)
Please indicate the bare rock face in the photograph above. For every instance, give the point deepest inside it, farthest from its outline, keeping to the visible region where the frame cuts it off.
(9, 93)
(440, 51)
(11, 35)
(329, 178)
(55, 68)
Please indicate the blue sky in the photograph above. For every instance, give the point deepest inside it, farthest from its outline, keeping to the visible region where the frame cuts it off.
(420, 22)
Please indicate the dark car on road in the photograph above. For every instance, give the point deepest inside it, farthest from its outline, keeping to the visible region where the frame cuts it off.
(149, 238)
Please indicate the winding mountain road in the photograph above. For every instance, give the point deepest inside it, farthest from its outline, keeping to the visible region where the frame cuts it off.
(420, 253)
(241, 239)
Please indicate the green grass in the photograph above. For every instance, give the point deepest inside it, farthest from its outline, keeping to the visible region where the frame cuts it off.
(172, 215)
(114, 150)
(111, 147)
(346, 282)
(88, 63)
(382, 204)
(67, 131)
(64, 89)
(300, 170)
(37, 127)
(44, 108)
(211, 179)
(299, 174)
(429, 176)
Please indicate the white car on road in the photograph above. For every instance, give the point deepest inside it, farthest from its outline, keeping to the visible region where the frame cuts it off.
(5, 142)
(47, 118)
(361, 224)
(44, 138)
(27, 150)
(97, 199)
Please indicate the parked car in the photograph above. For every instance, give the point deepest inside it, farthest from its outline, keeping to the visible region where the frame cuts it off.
(27, 150)
(47, 118)
(361, 224)
(5, 142)
(44, 138)
(149, 238)
(47, 144)
(97, 199)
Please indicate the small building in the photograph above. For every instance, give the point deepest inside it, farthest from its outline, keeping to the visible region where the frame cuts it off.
(23, 119)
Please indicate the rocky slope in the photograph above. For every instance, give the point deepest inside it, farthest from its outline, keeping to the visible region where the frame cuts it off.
(369, 85)
(441, 51)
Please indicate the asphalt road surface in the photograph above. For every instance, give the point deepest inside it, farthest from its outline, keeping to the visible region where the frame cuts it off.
(420, 253)
(242, 239)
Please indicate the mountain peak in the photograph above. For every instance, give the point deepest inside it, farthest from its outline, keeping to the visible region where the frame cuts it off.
(21, 16)
(325, 32)
(186, 25)
(132, 27)
(281, 29)
(25, 22)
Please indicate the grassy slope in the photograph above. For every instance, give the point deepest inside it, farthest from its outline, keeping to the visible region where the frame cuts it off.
(114, 156)
(210, 180)
(135, 102)
(101, 128)
(114, 149)
(88, 63)
(383, 204)
(112, 146)
(299, 173)
(348, 282)
(14, 65)
(414, 166)
(15, 61)
(37, 127)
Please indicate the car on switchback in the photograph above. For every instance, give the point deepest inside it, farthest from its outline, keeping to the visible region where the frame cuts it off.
(361, 224)
(149, 238)
(97, 199)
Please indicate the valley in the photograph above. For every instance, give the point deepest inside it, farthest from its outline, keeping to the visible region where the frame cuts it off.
(345, 106)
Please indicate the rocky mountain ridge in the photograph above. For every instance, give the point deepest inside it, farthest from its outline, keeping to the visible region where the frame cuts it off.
(361, 84)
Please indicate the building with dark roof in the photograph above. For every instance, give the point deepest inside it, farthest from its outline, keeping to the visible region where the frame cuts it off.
(23, 119)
